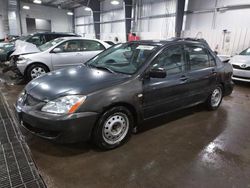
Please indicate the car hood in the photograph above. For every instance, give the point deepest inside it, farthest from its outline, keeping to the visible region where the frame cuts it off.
(240, 59)
(72, 81)
(22, 47)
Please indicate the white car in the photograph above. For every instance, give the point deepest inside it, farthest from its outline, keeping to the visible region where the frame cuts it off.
(56, 54)
(241, 66)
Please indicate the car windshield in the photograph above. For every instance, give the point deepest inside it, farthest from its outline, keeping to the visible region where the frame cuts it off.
(50, 44)
(245, 52)
(123, 58)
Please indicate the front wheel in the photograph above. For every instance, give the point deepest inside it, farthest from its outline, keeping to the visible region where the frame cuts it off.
(36, 70)
(113, 128)
(215, 98)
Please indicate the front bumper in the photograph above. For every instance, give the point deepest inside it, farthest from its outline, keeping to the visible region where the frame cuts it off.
(241, 75)
(21, 67)
(63, 129)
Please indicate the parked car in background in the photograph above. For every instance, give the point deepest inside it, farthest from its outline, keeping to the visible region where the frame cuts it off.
(117, 90)
(241, 66)
(59, 53)
(36, 39)
(9, 38)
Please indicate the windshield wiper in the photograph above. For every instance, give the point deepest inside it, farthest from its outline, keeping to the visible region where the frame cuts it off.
(102, 68)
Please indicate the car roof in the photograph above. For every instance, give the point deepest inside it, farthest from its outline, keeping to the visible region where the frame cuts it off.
(54, 33)
(170, 41)
(79, 38)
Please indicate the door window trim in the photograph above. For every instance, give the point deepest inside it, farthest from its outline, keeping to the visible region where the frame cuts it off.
(188, 62)
(167, 48)
(64, 43)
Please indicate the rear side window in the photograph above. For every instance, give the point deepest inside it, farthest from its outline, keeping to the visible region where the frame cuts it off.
(88, 45)
(172, 60)
(197, 57)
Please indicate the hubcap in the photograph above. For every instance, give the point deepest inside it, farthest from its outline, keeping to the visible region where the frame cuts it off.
(216, 97)
(36, 72)
(115, 128)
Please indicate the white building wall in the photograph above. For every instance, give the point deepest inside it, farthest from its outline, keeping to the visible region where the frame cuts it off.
(60, 21)
(3, 18)
(112, 20)
(156, 19)
(110, 29)
(210, 25)
(84, 23)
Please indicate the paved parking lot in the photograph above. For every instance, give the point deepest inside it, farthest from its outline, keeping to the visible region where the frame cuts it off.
(190, 148)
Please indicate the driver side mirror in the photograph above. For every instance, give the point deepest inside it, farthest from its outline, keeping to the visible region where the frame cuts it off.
(57, 50)
(157, 73)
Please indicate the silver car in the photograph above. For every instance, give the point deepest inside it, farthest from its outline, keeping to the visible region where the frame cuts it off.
(59, 53)
(241, 66)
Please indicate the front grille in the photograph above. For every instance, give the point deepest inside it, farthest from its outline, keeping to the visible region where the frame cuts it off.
(31, 101)
(41, 132)
(238, 67)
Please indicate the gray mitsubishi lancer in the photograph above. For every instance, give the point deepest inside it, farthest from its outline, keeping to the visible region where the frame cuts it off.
(104, 99)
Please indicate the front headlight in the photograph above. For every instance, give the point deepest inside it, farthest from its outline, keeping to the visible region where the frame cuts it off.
(64, 105)
(1, 50)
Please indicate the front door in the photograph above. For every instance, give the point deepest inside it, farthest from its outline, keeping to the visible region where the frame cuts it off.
(90, 48)
(162, 95)
(68, 56)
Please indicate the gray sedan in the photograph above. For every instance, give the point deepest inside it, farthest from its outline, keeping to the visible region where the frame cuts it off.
(59, 53)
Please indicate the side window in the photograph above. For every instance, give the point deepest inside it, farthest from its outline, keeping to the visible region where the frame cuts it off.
(211, 60)
(197, 57)
(70, 46)
(50, 37)
(36, 39)
(172, 60)
(88, 45)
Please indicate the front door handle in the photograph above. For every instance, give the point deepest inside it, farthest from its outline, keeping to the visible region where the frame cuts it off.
(214, 71)
(184, 78)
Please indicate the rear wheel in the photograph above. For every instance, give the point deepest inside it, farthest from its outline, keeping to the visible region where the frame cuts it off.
(36, 70)
(215, 98)
(113, 128)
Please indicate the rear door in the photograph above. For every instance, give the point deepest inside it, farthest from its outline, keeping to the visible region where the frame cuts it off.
(70, 55)
(89, 49)
(202, 72)
(162, 95)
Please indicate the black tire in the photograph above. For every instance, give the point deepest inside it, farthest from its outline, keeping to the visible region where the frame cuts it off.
(100, 137)
(209, 103)
(28, 74)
